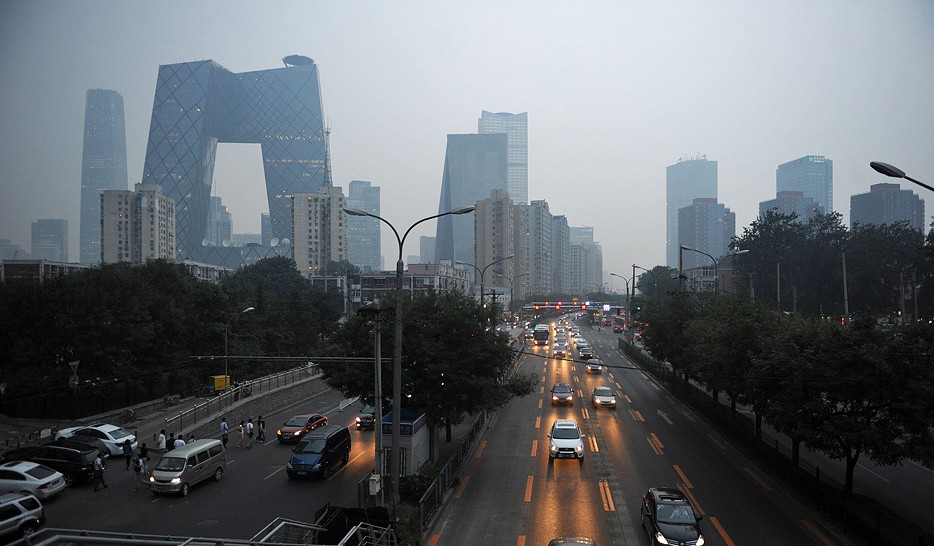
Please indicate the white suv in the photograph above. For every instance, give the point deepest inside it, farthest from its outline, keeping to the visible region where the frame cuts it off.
(566, 440)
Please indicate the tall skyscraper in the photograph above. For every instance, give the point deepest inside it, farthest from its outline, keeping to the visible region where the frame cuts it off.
(561, 250)
(811, 174)
(581, 235)
(474, 166)
(363, 237)
(103, 165)
(516, 127)
(788, 202)
(137, 225)
(198, 104)
(541, 248)
(319, 230)
(687, 180)
(220, 224)
(495, 224)
(886, 204)
(707, 226)
(426, 249)
(265, 229)
(50, 240)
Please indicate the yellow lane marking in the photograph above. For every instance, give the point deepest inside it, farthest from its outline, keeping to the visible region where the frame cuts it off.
(757, 479)
(520, 541)
(636, 415)
(684, 479)
(608, 505)
(528, 489)
(816, 532)
(688, 416)
(687, 493)
(585, 414)
(534, 447)
(722, 531)
(538, 422)
(593, 444)
(480, 449)
(657, 441)
(580, 393)
(653, 446)
(716, 441)
(644, 376)
(540, 403)
(457, 494)
(434, 540)
(541, 390)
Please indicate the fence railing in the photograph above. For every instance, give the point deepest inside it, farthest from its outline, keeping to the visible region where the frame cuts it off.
(218, 404)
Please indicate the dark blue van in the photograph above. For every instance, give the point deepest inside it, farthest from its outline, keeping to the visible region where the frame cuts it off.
(318, 452)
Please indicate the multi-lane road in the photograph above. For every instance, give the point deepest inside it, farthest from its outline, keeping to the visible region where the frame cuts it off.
(513, 494)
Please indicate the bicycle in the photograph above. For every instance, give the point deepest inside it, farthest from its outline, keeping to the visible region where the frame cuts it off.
(128, 415)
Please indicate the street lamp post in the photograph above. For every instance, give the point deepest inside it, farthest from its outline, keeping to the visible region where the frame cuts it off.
(895, 172)
(716, 265)
(397, 350)
(629, 300)
(512, 287)
(482, 272)
(226, 328)
(650, 272)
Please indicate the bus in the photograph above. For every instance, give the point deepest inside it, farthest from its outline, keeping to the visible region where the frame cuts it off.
(541, 334)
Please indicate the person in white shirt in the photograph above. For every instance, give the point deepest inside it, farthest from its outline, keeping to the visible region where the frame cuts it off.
(249, 432)
(178, 441)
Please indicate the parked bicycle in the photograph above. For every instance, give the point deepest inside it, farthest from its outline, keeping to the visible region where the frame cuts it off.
(128, 415)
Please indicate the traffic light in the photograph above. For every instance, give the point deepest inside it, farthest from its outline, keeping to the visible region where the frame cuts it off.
(537, 307)
(583, 307)
(558, 306)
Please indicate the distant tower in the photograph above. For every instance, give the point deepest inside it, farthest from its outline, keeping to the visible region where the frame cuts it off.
(707, 226)
(363, 237)
(516, 127)
(50, 240)
(220, 224)
(319, 230)
(137, 225)
(474, 166)
(788, 202)
(887, 203)
(687, 180)
(103, 165)
(812, 175)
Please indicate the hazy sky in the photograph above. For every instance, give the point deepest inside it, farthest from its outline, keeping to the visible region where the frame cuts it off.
(615, 92)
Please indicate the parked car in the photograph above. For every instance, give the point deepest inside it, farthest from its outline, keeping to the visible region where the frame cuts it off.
(668, 517)
(83, 443)
(21, 514)
(367, 417)
(112, 436)
(561, 393)
(39, 480)
(319, 452)
(75, 464)
(296, 427)
(603, 397)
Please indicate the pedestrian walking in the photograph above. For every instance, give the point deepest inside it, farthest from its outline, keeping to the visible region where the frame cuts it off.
(171, 445)
(144, 458)
(127, 453)
(138, 471)
(191, 438)
(225, 431)
(260, 429)
(179, 442)
(249, 433)
(99, 468)
(242, 431)
(161, 444)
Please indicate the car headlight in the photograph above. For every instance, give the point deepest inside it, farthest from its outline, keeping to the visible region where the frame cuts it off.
(700, 540)
(580, 447)
(152, 479)
(553, 448)
(176, 481)
(296, 433)
(659, 538)
(554, 397)
(358, 420)
(317, 466)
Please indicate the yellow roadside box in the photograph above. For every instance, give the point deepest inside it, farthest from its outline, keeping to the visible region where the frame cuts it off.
(219, 384)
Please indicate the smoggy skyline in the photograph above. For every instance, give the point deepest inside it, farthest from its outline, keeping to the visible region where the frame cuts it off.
(615, 92)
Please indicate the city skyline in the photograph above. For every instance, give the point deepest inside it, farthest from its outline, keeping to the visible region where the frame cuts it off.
(614, 94)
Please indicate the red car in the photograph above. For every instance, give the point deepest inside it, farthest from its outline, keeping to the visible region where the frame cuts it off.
(298, 426)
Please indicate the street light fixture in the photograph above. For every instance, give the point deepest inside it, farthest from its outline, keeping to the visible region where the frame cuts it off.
(226, 328)
(482, 272)
(895, 172)
(650, 272)
(512, 286)
(629, 300)
(716, 265)
(397, 350)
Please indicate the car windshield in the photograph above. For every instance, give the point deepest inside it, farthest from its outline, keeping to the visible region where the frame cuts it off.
(676, 514)
(368, 409)
(315, 445)
(118, 433)
(565, 433)
(561, 389)
(40, 472)
(171, 464)
(603, 391)
(297, 422)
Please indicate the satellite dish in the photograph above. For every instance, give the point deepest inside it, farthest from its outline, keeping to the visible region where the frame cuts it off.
(274, 241)
(285, 242)
(205, 242)
(226, 243)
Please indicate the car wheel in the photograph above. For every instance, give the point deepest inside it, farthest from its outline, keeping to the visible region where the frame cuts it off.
(28, 530)
(184, 490)
(345, 458)
(218, 474)
(69, 480)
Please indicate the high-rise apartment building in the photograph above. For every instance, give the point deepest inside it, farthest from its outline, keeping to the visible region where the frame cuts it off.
(495, 224)
(516, 128)
(812, 175)
(198, 104)
(686, 180)
(319, 230)
(220, 224)
(265, 229)
(103, 165)
(886, 204)
(792, 202)
(586, 268)
(581, 235)
(541, 259)
(707, 226)
(561, 250)
(426, 249)
(50, 240)
(474, 166)
(363, 237)
(137, 226)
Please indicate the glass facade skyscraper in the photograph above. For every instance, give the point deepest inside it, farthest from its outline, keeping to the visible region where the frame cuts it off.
(516, 127)
(474, 166)
(103, 165)
(687, 180)
(363, 238)
(50, 240)
(198, 104)
(812, 175)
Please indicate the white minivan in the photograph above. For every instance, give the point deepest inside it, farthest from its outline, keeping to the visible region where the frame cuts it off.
(185, 466)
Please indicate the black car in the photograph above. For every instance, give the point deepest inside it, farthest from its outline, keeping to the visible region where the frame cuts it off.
(668, 517)
(83, 443)
(561, 393)
(367, 417)
(77, 465)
